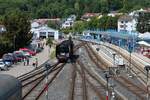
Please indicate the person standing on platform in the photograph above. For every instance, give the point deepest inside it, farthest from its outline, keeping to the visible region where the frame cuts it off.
(28, 61)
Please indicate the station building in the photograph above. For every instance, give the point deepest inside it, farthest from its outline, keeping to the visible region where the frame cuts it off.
(45, 32)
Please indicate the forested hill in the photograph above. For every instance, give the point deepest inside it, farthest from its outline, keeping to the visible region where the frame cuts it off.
(63, 8)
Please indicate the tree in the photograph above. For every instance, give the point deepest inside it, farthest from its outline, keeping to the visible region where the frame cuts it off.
(127, 6)
(53, 24)
(143, 23)
(18, 26)
(5, 45)
(93, 23)
(105, 22)
(77, 7)
(79, 26)
(104, 7)
(66, 30)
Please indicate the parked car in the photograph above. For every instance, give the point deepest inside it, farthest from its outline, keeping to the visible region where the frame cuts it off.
(8, 59)
(3, 65)
(20, 55)
(32, 53)
(25, 53)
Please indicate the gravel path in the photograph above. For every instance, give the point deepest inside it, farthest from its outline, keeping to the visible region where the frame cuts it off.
(59, 90)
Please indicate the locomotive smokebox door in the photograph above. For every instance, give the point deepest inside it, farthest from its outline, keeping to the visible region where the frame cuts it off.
(10, 88)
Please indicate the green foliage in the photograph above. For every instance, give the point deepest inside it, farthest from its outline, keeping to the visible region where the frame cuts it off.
(5, 45)
(18, 26)
(105, 22)
(54, 24)
(67, 30)
(79, 26)
(63, 8)
(93, 23)
(143, 23)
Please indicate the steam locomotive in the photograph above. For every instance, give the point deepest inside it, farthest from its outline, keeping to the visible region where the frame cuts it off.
(64, 50)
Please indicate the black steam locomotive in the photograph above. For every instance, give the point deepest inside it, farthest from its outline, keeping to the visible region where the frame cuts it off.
(64, 50)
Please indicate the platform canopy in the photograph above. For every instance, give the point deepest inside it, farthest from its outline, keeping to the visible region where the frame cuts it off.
(144, 43)
(145, 35)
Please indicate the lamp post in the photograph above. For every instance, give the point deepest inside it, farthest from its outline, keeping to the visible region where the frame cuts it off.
(147, 68)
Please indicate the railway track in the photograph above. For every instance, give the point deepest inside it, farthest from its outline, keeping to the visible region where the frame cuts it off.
(123, 81)
(80, 90)
(33, 84)
(81, 83)
(32, 71)
(87, 80)
(37, 85)
(137, 64)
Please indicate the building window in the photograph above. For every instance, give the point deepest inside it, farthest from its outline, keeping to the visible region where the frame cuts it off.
(42, 33)
(121, 26)
(67, 23)
(50, 34)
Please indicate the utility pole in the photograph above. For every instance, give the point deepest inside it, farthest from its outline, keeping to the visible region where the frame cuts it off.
(114, 60)
(107, 80)
(14, 39)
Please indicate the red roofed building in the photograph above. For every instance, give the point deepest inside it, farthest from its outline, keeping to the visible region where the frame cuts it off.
(88, 16)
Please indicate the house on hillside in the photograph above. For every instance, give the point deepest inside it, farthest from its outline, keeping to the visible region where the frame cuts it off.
(88, 16)
(43, 22)
(2, 28)
(136, 13)
(69, 21)
(114, 13)
(45, 32)
(127, 23)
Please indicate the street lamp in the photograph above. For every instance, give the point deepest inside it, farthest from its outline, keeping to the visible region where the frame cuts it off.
(147, 68)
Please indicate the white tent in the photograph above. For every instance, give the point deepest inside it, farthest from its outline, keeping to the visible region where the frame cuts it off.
(146, 35)
(144, 43)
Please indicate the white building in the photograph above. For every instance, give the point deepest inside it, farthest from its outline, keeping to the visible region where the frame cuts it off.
(45, 32)
(35, 25)
(69, 22)
(127, 23)
(136, 13)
